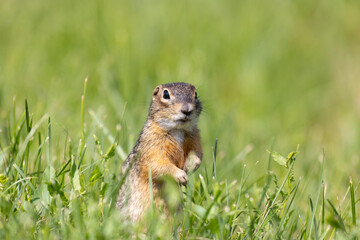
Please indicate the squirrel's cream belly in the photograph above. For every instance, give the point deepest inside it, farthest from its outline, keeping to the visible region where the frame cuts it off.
(178, 135)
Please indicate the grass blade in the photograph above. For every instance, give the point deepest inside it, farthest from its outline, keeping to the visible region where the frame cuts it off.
(28, 129)
(312, 210)
(29, 137)
(317, 196)
(353, 210)
(214, 159)
(49, 150)
(151, 192)
(323, 209)
(82, 109)
(268, 180)
(337, 215)
(24, 177)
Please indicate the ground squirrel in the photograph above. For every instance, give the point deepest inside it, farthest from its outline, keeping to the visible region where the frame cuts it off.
(166, 142)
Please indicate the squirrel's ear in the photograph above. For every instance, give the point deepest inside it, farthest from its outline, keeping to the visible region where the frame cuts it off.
(156, 90)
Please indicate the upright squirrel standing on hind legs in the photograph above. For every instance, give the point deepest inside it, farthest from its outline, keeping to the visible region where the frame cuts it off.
(168, 138)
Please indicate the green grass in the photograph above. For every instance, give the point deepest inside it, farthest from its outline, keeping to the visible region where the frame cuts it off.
(272, 76)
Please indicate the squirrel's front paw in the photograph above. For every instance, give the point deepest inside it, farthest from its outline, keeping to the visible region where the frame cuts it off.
(193, 163)
(181, 177)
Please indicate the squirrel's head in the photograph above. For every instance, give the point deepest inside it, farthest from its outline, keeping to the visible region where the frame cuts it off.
(175, 106)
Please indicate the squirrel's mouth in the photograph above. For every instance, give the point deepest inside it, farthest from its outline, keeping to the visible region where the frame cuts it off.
(184, 120)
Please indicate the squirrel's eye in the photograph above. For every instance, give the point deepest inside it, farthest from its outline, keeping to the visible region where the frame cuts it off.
(166, 94)
(195, 95)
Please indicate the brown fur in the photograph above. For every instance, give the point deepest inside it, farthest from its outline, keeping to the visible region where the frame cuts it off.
(169, 136)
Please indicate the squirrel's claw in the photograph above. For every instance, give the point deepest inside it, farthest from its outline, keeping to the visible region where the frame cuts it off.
(181, 177)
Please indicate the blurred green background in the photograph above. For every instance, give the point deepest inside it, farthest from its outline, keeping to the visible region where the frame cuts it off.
(283, 70)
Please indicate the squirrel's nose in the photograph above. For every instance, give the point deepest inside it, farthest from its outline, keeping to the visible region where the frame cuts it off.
(187, 109)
